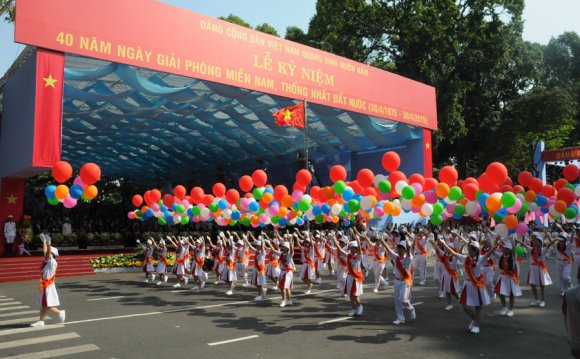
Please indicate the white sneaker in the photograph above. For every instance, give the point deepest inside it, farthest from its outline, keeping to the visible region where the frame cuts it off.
(275, 287)
(145, 280)
(152, 278)
(318, 281)
(503, 311)
(375, 290)
(441, 295)
(413, 315)
(159, 283)
(283, 304)
(165, 279)
(359, 310)
(399, 322)
(217, 282)
(186, 280)
(264, 291)
(205, 276)
(195, 288)
(351, 313)
(332, 272)
(542, 304)
(471, 325)
(422, 282)
(246, 284)
(289, 303)
(449, 307)
(61, 316)
(258, 298)
(39, 323)
(344, 295)
(202, 285)
(474, 330)
(510, 313)
(176, 285)
(229, 292)
(534, 303)
(307, 292)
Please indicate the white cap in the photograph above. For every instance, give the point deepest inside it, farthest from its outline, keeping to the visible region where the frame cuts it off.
(508, 245)
(344, 239)
(162, 242)
(149, 242)
(240, 243)
(199, 240)
(257, 243)
(353, 244)
(285, 244)
(473, 235)
(536, 234)
(54, 251)
(474, 244)
(402, 244)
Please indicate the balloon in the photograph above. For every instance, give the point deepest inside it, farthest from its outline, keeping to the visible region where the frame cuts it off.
(154, 195)
(570, 212)
(399, 186)
(430, 183)
(510, 221)
(61, 192)
(501, 230)
(571, 172)
(232, 196)
(337, 173)
(260, 178)
(303, 177)
(427, 209)
(49, 191)
(508, 199)
(384, 186)
(137, 200)
(90, 173)
(408, 192)
(365, 177)
(279, 192)
(525, 178)
(566, 195)
(455, 193)
(69, 202)
(168, 200)
(449, 175)
(560, 206)
(548, 191)
(436, 220)
(391, 161)
(438, 208)
(90, 192)
(469, 191)
(218, 189)
(442, 190)
(521, 229)
(61, 171)
(179, 191)
(353, 205)
(339, 187)
(246, 183)
(497, 172)
(536, 185)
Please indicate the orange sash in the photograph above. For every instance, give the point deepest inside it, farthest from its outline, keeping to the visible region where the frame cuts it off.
(478, 282)
(405, 275)
(341, 261)
(490, 261)
(566, 256)
(537, 261)
(318, 253)
(163, 259)
(357, 275)
(513, 274)
(260, 268)
(422, 249)
(378, 257)
(148, 257)
(46, 283)
(199, 261)
(452, 272)
(439, 256)
(287, 266)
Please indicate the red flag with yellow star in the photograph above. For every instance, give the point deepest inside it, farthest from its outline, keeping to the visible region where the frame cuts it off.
(290, 116)
(48, 111)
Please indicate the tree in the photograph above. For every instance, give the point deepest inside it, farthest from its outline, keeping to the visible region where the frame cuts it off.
(7, 8)
(235, 20)
(267, 28)
(296, 34)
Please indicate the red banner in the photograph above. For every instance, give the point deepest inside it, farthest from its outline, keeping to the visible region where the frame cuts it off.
(428, 153)
(48, 111)
(11, 203)
(565, 154)
(158, 36)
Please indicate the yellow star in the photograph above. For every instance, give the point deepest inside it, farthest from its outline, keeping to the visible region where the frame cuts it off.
(12, 199)
(427, 145)
(287, 115)
(49, 81)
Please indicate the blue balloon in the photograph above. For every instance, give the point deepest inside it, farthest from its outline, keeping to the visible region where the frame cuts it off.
(326, 208)
(541, 200)
(502, 212)
(49, 191)
(269, 190)
(236, 215)
(163, 208)
(283, 222)
(358, 197)
(190, 212)
(299, 221)
(544, 210)
(348, 194)
(316, 210)
(254, 206)
(75, 191)
(346, 223)
(222, 204)
(174, 207)
(482, 198)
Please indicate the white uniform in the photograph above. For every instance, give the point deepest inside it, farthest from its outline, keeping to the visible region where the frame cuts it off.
(198, 262)
(181, 261)
(474, 291)
(354, 278)
(341, 271)
(259, 272)
(538, 273)
(402, 286)
(47, 296)
(287, 270)
(420, 260)
(148, 259)
(450, 279)
(10, 232)
(273, 267)
(308, 270)
(489, 271)
(508, 282)
(565, 261)
(242, 257)
(218, 259)
(319, 254)
(380, 254)
(229, 273)
(162, 262)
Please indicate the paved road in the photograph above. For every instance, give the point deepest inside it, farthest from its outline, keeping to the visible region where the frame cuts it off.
(116, 316)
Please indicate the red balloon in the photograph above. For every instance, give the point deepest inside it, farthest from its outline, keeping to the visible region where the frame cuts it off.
(566, 195)
(196, 194)
(417, 178)
(548, 191)
(137, 200)
(430, 183)
(517, 189)
(246, 183)
(365, 177)
(279, 192)
(536, 185)
(155, 195)
(168, 200)
(207, 199)
(356, 187)
(505, 188)
(315, 192)
(469, 180)
(337, 173)
(571, 172)
(179, 191)
(147, 198)
(369, 191)
(449, 175)
(232, 196)
(303, 177)
(62, 171)
(219, 190)
(90, 173)
(395, 177)
(497, 173)
(260, 178)
(299, 187)
(559, 184)
(525, 178)
(391, 161)
(469, 191)
(485, 184)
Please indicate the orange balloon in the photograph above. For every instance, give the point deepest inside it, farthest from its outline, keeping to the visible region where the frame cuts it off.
(493, 203)
(267, 197)
(335, 219)
(282, 212)
(510, 221)
(560, 206)
(396, 212)
(90, 192)
(530, 196)
(418, 201)
(287, 201)
(442, 190)
(61, 192)
(389, 207)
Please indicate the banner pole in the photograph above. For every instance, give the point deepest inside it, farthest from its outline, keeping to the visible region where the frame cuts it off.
(305, 134)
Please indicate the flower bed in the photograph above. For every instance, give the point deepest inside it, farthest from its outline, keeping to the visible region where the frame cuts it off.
(125, 261)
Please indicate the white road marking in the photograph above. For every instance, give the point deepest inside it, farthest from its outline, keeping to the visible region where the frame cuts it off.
(12, 308)
(6, 299)
(233, 340)
(19, 320)
(10, 303)
(38, 340)
(418, 303)
(334, 320)
(17, 313)
(56, 352)
(105, 298)
(29, 329)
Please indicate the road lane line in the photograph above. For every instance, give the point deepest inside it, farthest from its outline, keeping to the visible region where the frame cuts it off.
(334, 320)
(29, 329)
(38, 340)
(12, 308)
(3, 315)
(418, 303)
(6, 299)
(233, 340)
(106, 298)
(19, 320)
(10, 303)
(56, 352)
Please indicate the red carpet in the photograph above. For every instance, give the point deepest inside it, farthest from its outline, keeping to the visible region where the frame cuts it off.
(28, 268)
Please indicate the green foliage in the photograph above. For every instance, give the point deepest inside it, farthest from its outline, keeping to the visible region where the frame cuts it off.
(267, 28)
(8, 9)
(235, 20)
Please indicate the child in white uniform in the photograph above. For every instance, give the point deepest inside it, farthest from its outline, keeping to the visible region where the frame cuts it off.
(259, 272)
(420, 253)
(354, 279)
(538, 273)
(403, 281)
(508, 284)
(162, 262)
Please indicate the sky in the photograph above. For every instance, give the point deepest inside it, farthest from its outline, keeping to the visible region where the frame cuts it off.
(544, 19)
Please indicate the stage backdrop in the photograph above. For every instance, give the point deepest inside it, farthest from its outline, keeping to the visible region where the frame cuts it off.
(162, 37)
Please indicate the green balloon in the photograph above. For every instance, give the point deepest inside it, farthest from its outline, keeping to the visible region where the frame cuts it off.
(139, 213)
(408, 192)
(569, 185)
(524, 209)
(53, 201)
(303, 205)
(570, 213)
(508, 199)
(339, 187)
(180, 208)
(196, 210)
(437, 209)
(459, 209)
(384, 186)
(233, 223)
(246, 221)
(161, 221)
(520, 251)
(455, 193)
(275, 219)
(436, 220)
(258, 192)
(213, 207)
(185, 220)
(353, 205)
(319, 219)
(498, 218)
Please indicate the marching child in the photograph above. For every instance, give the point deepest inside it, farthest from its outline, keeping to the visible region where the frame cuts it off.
(538, 272)
(308, 271)
(259, 272)
(420, 254)
(242, 259)
(450, 280)
(508, 284)
(354, 279)
(198, 273)
(403, 281)
(148, 261)
(287, 268)
(564, 259)
(229, 273)
(273, 267)
(161, 262)
(181, 261)
(380, 254)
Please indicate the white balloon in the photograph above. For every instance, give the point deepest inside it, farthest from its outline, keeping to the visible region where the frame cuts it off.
(399, 186)
(532, 206)
(577, 191)
(501, 230)
(335, 209)
(406, 204)
(177, 218)
(448, 201)
(553, 211)
(427, 209)
(366, 203)
(378, 179)
(205, 213)
(293, 221)
(471, 207)
(307, 198)
(227, 213)
(521, 197)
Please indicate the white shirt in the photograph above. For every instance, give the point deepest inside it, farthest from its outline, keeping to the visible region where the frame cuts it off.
(66, 229)
(9, 231)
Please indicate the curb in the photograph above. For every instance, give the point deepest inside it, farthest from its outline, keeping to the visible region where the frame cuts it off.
(119, 270)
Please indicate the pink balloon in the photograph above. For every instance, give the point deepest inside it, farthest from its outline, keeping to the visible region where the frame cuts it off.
(450, 208)
(522, 229)
(155, 207)
(131, 215)
(430, 196)
(79, 181)
(185, 203)
(418, 188)
(263, 218)
(273, 209)
(379, 211)
(297, 195)
(516, 207)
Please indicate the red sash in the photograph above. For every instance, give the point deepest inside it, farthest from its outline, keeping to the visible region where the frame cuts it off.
(317, 252)
(307, 259)
(490, 261)
(378, 257)
(513, 274)
(452, 272)
(478, 282)
(286, 265)
(566, 256)
(405, 275)
(540, 263)
(163, 259)
(341, 261)
(199, 261)
(439, 256)
(357, 275)
(260, 268)
(148, 257)
(45, 283)
(422, 249)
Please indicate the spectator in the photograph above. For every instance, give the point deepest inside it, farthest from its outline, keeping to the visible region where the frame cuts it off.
(571, 310)
(66, 227)
(9, 234)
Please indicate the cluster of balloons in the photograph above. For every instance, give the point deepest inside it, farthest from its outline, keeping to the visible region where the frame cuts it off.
(368, 196)
(83, 186)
